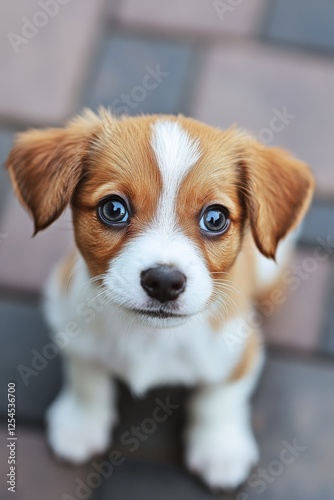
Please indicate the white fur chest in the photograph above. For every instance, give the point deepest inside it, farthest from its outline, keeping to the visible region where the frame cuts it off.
(146, 357)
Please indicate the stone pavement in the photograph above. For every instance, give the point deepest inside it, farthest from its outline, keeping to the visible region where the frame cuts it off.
(222, 62)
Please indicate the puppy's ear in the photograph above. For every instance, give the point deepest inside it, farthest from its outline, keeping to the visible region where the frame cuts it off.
(277, 190)
(46, 165)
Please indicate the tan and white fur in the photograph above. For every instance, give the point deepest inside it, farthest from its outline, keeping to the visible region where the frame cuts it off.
(168, 169)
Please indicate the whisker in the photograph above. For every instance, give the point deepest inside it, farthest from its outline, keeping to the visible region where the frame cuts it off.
(70, 281)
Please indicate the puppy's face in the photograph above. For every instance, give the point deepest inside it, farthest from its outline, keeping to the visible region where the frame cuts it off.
(159, 214)
(160, 204)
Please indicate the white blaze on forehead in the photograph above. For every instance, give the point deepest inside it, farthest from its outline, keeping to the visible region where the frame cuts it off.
(175, 151)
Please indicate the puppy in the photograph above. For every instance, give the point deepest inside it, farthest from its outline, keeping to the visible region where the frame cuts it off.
(176, 226)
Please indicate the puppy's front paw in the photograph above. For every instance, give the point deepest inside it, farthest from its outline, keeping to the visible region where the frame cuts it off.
(221, 455)
(77, 431)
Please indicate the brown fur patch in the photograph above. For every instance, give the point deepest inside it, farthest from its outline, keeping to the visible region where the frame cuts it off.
(235, 288)
(46, 165)
(278, 191)
(248, 359)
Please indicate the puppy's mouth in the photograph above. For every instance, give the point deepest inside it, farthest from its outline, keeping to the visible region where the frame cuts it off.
(159, 313)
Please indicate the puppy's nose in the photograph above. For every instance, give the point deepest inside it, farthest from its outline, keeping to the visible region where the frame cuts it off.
(163, 283)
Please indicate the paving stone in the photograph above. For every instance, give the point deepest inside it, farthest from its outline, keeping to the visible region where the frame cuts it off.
(26, 262)
(40, 81)
(5, 143)
(153, 74)
(193, 16)
(144, 481)
(318, 223)
(163, 445)
(328, 334)
(245, 84)
(38, 475)
(298, 322)
(295, 402)
(303, 22)
(23, 330)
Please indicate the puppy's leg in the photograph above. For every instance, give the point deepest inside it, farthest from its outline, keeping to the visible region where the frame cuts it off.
(81, 417)
(220, 445)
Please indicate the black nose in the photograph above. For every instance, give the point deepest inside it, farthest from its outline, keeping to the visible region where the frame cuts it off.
(163, 283)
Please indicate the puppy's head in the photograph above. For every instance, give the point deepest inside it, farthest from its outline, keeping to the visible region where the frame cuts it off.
(160, 204)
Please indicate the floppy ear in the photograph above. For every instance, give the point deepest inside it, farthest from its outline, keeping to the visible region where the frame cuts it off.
(277, 192)
(46, 165)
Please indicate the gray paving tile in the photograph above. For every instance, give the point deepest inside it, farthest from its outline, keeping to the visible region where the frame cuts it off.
(23, 344)
(191, 16)
(304, 22)
(295, 402)
(38, 475)
(329, 342)
(142, 481)
(165, 443)
(141, 76)
(328, 333)
(26, 262)
(45, 49)
(5, 189)
(318, 223)
(5, 144)
(297, 323)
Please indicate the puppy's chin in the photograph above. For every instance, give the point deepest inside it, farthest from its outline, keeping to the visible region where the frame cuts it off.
(158, 318)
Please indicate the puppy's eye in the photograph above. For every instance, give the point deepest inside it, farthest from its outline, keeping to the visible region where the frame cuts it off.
(215, 219)
(113, 211)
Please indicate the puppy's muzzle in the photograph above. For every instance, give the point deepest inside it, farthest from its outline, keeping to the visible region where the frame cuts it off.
(163, 283)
